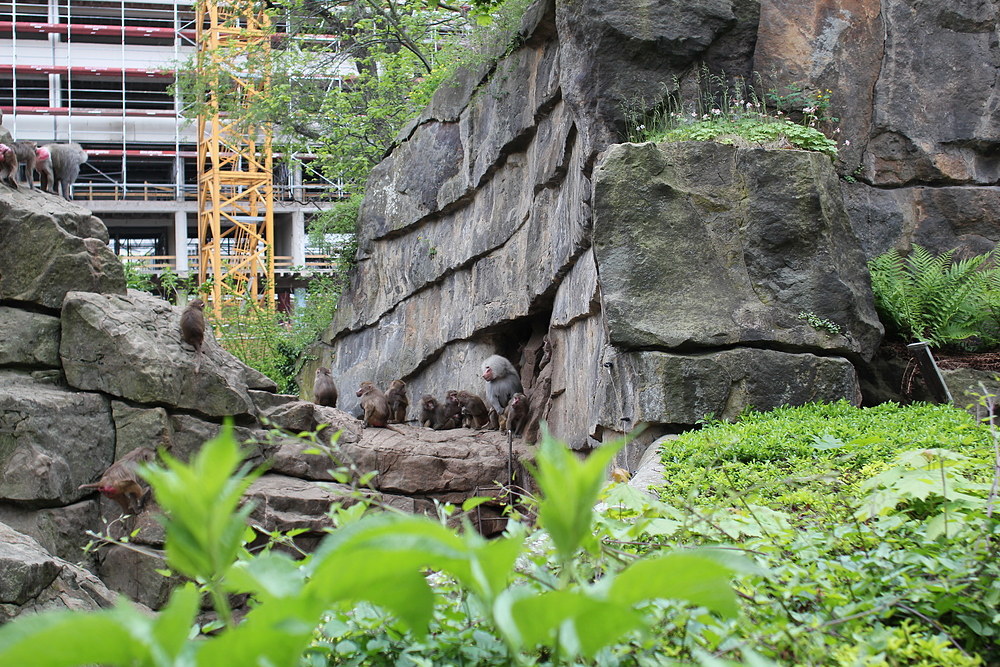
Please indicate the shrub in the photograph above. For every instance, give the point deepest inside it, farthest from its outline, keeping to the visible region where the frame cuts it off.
(921, 297)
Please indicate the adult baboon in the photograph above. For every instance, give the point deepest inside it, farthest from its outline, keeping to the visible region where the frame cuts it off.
(61, 170)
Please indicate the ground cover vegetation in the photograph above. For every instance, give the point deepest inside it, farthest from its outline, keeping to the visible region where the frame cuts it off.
(820, 535)
(737, 111)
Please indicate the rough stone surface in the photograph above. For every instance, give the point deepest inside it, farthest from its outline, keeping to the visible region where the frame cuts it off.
(703, 245)
(61, 531)
(134, 574)
(665, 388)
(52, 439)
(130, 347)
(28, 339)
(50, 246)
(32, 581)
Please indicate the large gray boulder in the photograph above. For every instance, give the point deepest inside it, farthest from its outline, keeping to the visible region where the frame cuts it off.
(52, 439)
(702, 245)
(33, 581)
(49, 246)
(28, 339)
(130, 347)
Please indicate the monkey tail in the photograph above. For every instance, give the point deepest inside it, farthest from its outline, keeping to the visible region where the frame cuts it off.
(87, 486)
(197, 360)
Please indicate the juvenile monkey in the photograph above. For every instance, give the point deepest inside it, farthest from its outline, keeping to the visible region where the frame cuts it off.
(324, 389)
(193, 328)
(502, 382)
(428, 410)
(396, 397)
(449, 412)
(120, 482)
(8, 166)
(474, 412)
(515, 416)
(25, 152)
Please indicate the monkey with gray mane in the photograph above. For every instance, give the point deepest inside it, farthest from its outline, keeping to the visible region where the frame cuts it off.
(61, 170)
(502, 382)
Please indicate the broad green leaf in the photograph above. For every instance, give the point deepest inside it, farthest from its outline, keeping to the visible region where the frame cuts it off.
(268, 575)
(66, 639)
(569, 491)
(173, 625)
(696, 579)
(583, 624)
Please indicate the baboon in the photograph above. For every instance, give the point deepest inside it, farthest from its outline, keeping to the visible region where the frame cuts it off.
(449, 412)
(61, 170)
(26, 155)
(474, 412)
(396, 397)
(502, 382)
(120, 482)
(324, 389)
(8, 166)
(428, 410)
(193, 328)
(375, 406)
(515, 416)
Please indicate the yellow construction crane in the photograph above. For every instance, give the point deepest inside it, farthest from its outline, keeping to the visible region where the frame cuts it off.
(235, 188)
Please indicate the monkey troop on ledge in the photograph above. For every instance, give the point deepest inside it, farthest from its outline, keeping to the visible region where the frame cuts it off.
(58, 165)
(505, 407)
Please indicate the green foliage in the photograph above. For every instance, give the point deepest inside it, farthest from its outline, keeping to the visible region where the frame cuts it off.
(818, 322)
(921, 297)
(799, 457)
(797, 489)
(732, 111)
(378, 566)
(136, 278)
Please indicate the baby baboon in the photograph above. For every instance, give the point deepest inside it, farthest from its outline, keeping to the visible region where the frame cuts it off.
(61, 170)
(396, 397)
(324, 389)
(474, 412)
(25, 152)
(428, 410)
(449, 412)
(8, 166)
(120, 482)
(193, 328)
(515, 416)
(375, 406)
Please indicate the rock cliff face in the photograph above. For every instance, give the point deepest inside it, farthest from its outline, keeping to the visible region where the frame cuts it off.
(669, 280)
(90, 372)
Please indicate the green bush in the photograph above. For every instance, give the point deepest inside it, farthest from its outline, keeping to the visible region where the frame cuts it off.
(921, 297)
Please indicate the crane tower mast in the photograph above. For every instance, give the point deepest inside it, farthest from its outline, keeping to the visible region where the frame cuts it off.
(235, 185)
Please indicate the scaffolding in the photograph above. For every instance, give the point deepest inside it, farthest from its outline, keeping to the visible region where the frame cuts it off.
(235, 178)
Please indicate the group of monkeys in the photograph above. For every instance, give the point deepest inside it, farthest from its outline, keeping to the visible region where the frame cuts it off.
(58, 165)
(505, 407)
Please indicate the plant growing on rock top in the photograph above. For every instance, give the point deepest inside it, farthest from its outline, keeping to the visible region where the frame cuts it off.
(730, 111)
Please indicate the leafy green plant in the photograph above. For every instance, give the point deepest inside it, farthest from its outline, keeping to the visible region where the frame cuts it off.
(818, 322)
(730, 110)
(944, 302)
(381, 559)
(136, 277)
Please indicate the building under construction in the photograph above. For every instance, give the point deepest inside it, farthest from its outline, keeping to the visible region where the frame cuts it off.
(101, 74)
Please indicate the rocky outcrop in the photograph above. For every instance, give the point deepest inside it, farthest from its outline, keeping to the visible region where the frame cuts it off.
(670, 282)
(89, 373)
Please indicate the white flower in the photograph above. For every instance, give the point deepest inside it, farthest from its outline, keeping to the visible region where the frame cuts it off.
(847, 142)
(716, 111)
